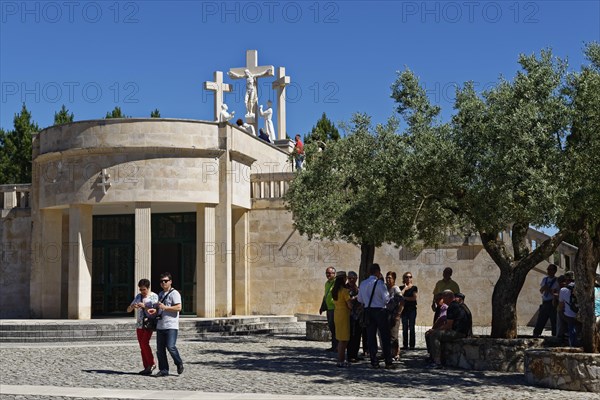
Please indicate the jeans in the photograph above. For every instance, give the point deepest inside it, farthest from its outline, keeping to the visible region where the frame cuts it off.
(547, 310)
(165, 340)
(378, 321)
(299, 160)
(408, 324)
(143, 337)
(331, 324)
(572, 328)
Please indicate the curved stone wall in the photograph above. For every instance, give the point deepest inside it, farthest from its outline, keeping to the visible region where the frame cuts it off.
(563, 368)
(147, 160)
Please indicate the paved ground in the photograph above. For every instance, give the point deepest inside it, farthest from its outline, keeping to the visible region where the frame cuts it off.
(251, 367)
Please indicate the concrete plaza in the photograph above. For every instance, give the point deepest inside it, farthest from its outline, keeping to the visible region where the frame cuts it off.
(242, 367)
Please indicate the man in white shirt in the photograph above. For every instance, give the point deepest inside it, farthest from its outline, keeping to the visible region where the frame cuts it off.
(564, 306)
(548, 286)
(169, 306)
(373, 294)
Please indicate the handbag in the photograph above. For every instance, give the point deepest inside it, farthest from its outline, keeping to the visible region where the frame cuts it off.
(149, 323)
(363, 317)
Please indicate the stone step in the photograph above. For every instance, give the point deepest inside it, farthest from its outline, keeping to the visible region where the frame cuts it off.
(26, 331)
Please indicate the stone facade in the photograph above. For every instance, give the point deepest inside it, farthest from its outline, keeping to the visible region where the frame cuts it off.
(15, 253)
(288, 271)
(563, 368)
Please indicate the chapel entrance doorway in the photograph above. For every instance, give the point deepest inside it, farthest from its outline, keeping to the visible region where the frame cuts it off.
(112, 264)
(174, 251)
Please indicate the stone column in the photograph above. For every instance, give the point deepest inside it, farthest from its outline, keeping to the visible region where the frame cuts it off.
(143, 243)
(241, 270)
(10, 199)
(51, 262)
(205, 260)
(80, 262)
(223, 231)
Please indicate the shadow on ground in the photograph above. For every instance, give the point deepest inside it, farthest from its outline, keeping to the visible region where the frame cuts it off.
(108, 372)
(411, 372)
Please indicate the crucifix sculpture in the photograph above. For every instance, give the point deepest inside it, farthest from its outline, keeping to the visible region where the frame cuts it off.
(251, 72)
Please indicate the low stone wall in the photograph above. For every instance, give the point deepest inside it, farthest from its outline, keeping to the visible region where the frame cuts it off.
(563, 368)
(318, 331)
(485, 353)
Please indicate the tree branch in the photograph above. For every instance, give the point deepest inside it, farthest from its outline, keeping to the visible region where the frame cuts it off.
(545, 250)
(497, 251)
(519, 240)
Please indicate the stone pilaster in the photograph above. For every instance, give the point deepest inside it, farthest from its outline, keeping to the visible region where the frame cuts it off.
(51, 262)
(223, 226)
(205, 260)
(80, 262)
(241, 265)
(143, 243)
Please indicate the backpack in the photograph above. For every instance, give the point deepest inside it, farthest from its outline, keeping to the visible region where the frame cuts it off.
(573, 300)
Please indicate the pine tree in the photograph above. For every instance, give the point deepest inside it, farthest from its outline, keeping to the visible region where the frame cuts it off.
(115, 113)
(15, 149)
(63, 116)
(324, 131)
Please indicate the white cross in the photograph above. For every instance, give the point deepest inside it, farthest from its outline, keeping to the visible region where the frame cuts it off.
(252, 66)
(256, 71)
(280, 84)
(219, 88)
(104, 177)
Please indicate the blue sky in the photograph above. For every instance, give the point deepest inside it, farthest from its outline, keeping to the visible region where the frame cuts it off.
(342, 56)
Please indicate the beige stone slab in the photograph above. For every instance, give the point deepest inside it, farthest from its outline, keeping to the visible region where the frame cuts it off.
(25, 390)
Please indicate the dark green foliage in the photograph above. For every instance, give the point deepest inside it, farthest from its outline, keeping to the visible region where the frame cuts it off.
(63, 116)
(155, 113)
(15, 149)
(115, 113)
(324, 132)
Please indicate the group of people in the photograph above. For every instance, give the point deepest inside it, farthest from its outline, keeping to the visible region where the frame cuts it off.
(250, 129)
(161, 313)
(373, 311)
(559, 305)
(298, 152)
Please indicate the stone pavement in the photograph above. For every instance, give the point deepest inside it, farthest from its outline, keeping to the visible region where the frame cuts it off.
(248, 367)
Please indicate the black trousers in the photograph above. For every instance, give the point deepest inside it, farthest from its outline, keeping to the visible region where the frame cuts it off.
(547, 310)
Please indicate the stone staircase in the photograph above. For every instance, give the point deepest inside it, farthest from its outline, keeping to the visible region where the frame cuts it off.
(123, 329)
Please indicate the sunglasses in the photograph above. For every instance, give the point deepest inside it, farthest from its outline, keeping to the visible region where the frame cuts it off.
(164, 280)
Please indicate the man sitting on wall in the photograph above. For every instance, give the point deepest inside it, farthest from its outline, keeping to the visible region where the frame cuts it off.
(455, 327)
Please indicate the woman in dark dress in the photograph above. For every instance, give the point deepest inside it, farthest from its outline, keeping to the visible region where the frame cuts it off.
(409, 313)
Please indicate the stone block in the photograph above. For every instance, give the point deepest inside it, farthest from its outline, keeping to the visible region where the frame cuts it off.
(318, 331)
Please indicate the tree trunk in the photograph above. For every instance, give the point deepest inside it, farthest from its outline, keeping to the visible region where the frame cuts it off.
(586, 261)
(513, 274)
(367, 254)
(504, 302)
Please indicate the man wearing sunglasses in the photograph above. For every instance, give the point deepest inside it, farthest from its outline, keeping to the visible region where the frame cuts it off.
(169, 305)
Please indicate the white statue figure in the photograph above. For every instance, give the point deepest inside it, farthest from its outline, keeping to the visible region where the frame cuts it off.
(224, 115)
(247, 127)
(268, 116)
(250, 98)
